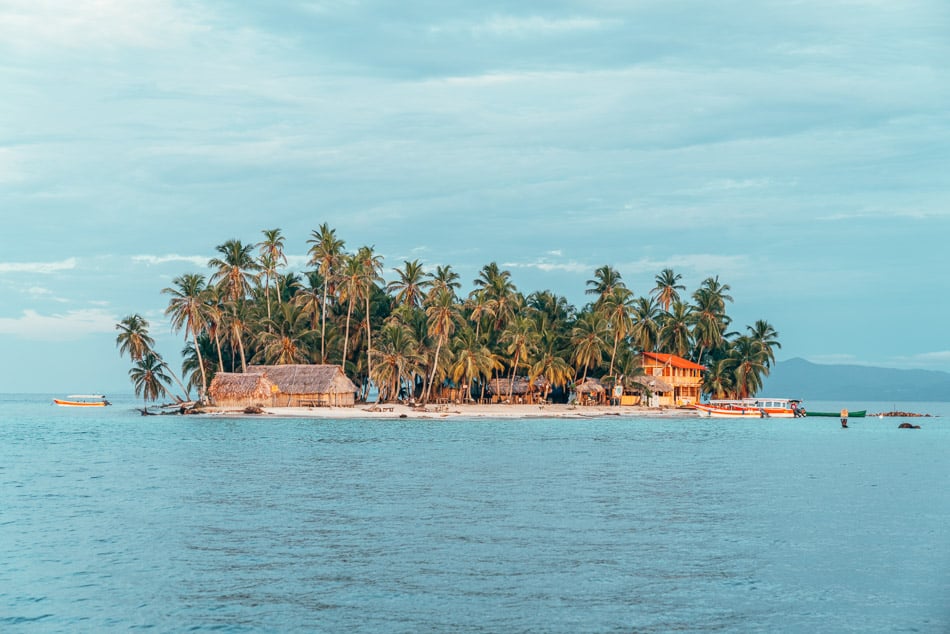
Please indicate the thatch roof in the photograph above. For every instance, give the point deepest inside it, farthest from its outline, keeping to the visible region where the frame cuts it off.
(654, 384)
(306, 379)
(518, 386)
(234, 386)
(593, 386)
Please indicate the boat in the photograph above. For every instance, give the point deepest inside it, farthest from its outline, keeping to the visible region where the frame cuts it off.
(82, 400)
(749, 408)
(858, 414)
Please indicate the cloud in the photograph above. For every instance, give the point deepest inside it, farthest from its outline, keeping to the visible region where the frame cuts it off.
(543, 264)
(73, 324)
(38, 267)
(507, 25)
(40, 25)
(154, 260)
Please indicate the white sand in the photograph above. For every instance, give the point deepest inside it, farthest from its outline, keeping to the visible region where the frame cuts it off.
(371, 410)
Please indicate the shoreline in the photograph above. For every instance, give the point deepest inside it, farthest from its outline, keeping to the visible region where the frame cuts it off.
(396, 411)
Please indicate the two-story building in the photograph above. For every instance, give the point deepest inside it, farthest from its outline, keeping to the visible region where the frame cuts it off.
(684, 376)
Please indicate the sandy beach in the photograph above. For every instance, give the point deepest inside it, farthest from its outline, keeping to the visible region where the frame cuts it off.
(398, 411)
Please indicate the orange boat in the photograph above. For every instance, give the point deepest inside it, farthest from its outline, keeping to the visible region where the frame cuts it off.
(82, 400)
(751, 408)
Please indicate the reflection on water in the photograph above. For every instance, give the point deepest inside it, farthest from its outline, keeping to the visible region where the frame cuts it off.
(114, 521)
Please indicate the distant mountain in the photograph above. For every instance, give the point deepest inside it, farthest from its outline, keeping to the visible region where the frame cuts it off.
(797, 378)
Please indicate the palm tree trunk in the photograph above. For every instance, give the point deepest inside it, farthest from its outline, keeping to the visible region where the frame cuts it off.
(323, 328)
(201, 364)
(613, 355)
(346, 336)
(217, 342)
(369, 347)
(241, 348)
(435, 364)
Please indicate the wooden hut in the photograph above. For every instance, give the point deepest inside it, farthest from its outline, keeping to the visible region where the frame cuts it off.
(651, 391)
(231, 389)
(590, 392)
(521, 389)
(309, 385)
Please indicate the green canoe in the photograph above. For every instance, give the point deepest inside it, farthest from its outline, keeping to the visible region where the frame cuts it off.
(858, 414)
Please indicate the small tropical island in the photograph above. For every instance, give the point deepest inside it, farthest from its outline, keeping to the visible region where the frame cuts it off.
(350, 337)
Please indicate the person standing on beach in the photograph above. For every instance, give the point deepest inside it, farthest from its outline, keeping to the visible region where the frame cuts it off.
(844, 419)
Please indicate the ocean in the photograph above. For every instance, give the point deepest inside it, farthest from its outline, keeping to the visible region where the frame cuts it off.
(110, 521)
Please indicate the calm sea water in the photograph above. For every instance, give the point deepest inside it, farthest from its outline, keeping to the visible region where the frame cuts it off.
(113, 521)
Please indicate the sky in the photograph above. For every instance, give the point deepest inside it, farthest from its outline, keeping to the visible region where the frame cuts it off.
(798, 149)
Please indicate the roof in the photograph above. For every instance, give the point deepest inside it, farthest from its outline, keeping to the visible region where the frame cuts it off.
(672, 360)
(590, 385)
(306, 379)
(238, 385)
(653, 383)
(518, 386)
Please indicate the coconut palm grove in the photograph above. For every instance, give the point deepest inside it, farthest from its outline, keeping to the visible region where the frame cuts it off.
(408, 330)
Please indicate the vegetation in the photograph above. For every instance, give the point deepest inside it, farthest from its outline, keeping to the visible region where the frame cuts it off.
(415, 333)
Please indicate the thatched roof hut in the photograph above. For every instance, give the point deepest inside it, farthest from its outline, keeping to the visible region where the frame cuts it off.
(309, 385)
(231, 389)
(590, 391)
(519, 387)
(655, 384)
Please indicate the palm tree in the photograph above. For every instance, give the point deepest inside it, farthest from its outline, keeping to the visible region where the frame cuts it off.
(676, 328)
(553, 367)
(188, 310)
(190, 365)
(442, 313)
(238, 323)
(617, 307)
(444, 279)
(709, 321)
(326, 254)
(718, 380)
(720, 292)
(748, 361)
(411, 285)
(667, 288)
(521, 335)
(271, 257)
(500, 291)
(149, 378)
(589, 338)
(396, 359)
(606, 279)
(645, 332)
(283, 342)
(371, 267)
(308, 298)
(234, 269)
(214, 314)
(350, 289)
(766, 337)
(133, 338)
(473, 361)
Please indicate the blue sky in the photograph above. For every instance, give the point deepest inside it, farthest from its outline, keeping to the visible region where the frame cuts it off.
(799, 150)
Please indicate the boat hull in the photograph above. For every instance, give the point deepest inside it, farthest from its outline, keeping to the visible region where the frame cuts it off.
(707, 411)
(857, 414)
(65, 403)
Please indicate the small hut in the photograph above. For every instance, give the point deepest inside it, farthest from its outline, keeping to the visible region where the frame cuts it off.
(309, 385)
(657, 388)
(590, 392)
(231, 389)
(522, 390)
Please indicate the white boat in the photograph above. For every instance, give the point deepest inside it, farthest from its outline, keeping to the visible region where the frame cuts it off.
(82, 400)
(750, 408)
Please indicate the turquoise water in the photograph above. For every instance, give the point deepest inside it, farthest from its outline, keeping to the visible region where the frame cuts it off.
(113, 521)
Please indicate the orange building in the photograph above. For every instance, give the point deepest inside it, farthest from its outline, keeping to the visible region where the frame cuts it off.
(684, 376)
